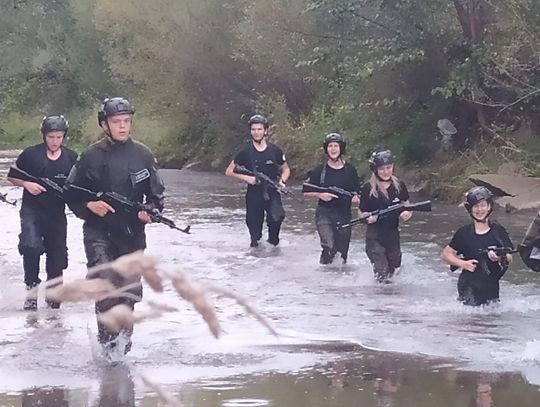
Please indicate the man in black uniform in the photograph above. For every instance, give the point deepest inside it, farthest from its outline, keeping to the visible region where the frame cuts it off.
(43, 218)
(478, 282)
(383, 245)
(333, 209)
(267, 158)
(118, 164)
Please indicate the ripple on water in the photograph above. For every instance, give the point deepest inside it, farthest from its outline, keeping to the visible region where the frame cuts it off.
(245, 403)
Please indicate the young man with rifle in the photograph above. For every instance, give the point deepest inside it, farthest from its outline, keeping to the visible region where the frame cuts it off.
(336, 186)
(485, 249)
(384, 189)
(266, 176)
(41, 170)
(115, 164)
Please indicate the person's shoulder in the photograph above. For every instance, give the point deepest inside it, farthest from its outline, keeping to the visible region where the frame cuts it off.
(402, 185)
(497, 226)
(316, 171)
(36, 148)
(242, 150)
(365, 189)
(465, 229)
(274, 147)
(351, 168)
(142, 147)
(94, 150)
(72, 154)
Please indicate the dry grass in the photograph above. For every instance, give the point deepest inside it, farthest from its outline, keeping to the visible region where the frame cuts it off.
(133, 267)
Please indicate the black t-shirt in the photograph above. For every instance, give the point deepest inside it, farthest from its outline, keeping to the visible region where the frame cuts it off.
(34, 161)
(467, 243)
(345, 178)
(370, 203)
(267, 161)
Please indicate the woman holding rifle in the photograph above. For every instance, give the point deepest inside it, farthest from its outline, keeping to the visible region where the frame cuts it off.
(384, 189)
(334, 206)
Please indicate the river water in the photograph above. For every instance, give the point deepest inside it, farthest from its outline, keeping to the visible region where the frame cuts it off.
(344, 340)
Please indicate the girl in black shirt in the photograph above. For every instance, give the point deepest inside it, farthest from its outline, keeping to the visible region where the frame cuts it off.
(333, 208)
(482, 269)
(382, 236)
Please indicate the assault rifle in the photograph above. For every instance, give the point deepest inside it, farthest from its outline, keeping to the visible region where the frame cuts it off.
(265, 179)
(121, 204)
(3, 198)
(52, 187)
(424, 206)
(498, 250)
(307, 187)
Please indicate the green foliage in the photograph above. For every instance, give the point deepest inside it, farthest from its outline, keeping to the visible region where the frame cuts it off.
(382, 72)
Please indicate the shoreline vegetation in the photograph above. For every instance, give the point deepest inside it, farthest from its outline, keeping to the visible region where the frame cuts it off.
(452, 88)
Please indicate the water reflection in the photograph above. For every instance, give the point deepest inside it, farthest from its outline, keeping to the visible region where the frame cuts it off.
(116, 388)
(44, 397)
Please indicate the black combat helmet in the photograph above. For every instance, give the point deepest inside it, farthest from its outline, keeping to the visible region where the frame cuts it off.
(114, 107)
(477, 194)
(335, 138)
(258, 119)
(54, 123)
(380, 158)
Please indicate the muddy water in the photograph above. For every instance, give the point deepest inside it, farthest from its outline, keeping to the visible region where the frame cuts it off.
(344, 340)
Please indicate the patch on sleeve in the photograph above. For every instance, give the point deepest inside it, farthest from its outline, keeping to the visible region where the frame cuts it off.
(140, 176)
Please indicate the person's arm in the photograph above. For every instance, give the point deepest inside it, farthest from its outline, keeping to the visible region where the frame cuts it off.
(155, 193)
(81, 208)
(355, 200)
(314, 178)
(449, 255)
(406, 215)
(364, 207)
(285, 173)
(229, 172)
(32, 187)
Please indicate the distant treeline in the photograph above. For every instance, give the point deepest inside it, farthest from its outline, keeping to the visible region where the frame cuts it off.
(382, 72)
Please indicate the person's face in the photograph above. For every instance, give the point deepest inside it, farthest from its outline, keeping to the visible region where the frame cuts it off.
(481, 210)
(53, 140)
(258, 131)
(333, 150)
(385, 172)
(119, 126)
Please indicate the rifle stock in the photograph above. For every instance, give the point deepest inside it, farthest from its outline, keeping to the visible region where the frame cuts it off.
(122, 204)
(424, 206)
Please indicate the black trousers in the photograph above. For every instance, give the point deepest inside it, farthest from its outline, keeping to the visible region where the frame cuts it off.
(477, 288)
(42, 232)
(100, 248)
(383, 248)
(332, 239)
(257, 204)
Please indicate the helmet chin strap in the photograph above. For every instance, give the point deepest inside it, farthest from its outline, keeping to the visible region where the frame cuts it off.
(337, 159)
(107, 131)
